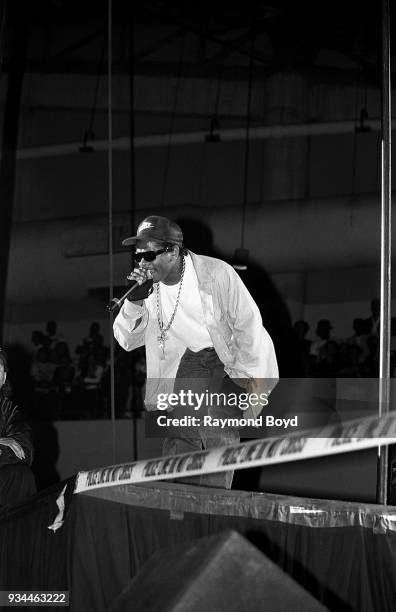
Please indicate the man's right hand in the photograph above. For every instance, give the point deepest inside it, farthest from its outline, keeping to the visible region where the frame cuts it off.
(145, 285)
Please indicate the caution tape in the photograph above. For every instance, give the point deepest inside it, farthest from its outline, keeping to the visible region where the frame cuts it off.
(351, 436)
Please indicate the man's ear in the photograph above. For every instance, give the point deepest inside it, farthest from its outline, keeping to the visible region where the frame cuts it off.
(175, 251)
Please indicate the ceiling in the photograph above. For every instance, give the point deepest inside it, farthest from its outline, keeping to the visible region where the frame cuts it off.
(332, 39)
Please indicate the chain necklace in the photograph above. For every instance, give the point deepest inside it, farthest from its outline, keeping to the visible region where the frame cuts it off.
(163, 329)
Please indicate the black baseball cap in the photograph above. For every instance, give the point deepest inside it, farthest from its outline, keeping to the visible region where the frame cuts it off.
(159, 229)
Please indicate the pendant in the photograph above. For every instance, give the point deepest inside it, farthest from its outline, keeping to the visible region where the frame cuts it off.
(161, 344)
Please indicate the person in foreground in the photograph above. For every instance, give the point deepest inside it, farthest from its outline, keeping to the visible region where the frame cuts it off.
(203, 333)
(17, 481)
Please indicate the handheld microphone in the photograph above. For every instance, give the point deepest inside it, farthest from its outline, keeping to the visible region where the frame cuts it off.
(118, 302)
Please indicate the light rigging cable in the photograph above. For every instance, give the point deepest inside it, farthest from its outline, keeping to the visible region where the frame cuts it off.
(110, 213)
(241, 255)
(89, 134)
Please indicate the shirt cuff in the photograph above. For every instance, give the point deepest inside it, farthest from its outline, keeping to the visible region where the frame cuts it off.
(133, 311)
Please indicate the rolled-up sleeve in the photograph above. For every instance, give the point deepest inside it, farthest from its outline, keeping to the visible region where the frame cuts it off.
(129, 335)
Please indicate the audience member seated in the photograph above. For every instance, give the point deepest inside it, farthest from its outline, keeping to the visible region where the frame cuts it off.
(16, 449)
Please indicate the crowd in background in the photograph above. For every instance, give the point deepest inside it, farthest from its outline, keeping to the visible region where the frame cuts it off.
(354, 357)
(77, 386)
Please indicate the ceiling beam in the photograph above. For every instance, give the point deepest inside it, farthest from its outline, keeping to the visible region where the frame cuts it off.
(197, 70)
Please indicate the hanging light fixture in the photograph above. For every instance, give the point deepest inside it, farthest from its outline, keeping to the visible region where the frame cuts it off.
(241, 259)
(213, 134)
(89, 135)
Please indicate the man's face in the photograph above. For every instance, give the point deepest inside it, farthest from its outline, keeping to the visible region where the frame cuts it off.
(322, 330)
(162, 266)
(3, 375)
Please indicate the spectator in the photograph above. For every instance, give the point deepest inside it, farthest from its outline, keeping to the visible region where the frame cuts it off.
(327, 366)
(42, 371)
(370, 366)
(16, 448)
(60, 352)
(50, 337)
(93, 344)
(348, 363)
(323, 352)
(37, 341)
(94, 336)
(93, 375)
(361, 328)
(373, 321)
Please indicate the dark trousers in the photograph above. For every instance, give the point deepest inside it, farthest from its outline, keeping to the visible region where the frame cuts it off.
(200, 372)
(16, 484)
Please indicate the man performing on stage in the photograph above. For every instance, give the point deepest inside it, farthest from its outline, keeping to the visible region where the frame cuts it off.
(202, 331)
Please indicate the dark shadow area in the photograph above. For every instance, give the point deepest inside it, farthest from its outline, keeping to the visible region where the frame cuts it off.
(19, 363)
(45, 440)
(295, 568)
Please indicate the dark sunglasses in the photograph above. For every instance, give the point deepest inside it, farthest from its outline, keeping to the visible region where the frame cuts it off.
(149, 255)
